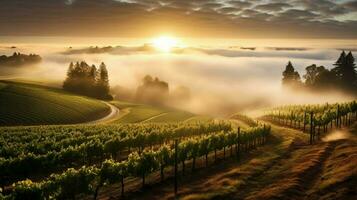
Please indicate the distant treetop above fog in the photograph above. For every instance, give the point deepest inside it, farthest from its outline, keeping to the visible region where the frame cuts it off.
(88, 80)
(342, 77)
(17, 59)
(152, 90)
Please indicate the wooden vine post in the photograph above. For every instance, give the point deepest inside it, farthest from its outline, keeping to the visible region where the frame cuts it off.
(264, 136)
(176, 149)
(238, 143)
(338, 120)
(304, 121)
(311, 127)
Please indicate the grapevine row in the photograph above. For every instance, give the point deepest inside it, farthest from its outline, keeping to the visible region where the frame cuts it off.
(96, 149)
(315, 118)
(89, 180)
(41, 139)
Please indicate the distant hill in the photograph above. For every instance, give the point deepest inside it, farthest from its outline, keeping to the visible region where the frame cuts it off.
(30, 104)
(18, 59)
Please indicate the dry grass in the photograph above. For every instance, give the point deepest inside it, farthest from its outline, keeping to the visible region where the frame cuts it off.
(293, 174)
(339, 174)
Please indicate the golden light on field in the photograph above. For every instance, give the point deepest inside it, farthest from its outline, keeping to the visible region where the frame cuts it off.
(165, 43)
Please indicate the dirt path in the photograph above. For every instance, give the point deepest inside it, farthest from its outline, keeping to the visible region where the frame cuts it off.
(112, 116)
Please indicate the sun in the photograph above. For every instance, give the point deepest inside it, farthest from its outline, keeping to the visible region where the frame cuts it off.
(165, 43)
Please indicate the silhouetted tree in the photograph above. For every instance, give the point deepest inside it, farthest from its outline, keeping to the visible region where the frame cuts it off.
(345, 72)
(152, 90)
(342, 77)
(69, 82)
(87, 80)
(103, 82)
(311, 74)
(319, 77)
(18, 59)
(290, 76)
(325, 79)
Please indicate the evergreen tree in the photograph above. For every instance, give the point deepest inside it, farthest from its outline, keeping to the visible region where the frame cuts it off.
(103, 81)
(345, 72)
(87, 80)
(68, 83)
(70, 70)
(290, 76)
(350, 77)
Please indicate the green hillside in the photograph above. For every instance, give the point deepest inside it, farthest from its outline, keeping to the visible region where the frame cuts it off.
(30, 104)
(140, 113)
(173, 116)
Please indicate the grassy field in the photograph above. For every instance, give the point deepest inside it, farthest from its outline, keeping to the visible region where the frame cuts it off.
(30, 104)
(139, 113)
(174, 116)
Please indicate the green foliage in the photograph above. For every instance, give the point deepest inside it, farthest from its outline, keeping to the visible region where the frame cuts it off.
(323, 114)
(27, 190)
(73, 182)
(31, 150)
(113, 172)
(87, 180)
(244, 118)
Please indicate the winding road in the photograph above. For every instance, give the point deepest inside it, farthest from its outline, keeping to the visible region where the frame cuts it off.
(113, 115)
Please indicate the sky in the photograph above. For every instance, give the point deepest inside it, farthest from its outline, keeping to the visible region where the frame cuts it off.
(182, 18)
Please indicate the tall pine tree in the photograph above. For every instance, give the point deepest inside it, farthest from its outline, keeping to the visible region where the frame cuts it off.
(345, 72)
(87, 80)
(68, 83)
(103, 82)
(290, 76)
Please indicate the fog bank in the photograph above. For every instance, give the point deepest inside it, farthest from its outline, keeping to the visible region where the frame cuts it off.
(221, 80)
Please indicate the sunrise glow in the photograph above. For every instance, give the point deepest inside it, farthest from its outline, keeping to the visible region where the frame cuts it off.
(165, 43)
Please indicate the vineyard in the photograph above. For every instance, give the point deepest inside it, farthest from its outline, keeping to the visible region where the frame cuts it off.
(91, 156)
(245, 119)
(316, 119)
(29, 104)
(83, 161)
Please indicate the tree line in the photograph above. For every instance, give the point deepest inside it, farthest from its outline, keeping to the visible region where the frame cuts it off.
(88, 80)
(18, 59)
(343, 76)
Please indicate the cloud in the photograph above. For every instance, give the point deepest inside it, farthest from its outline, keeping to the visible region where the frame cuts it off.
(351, 5)
(224, 80)
(233, 52)
(187, 18)
(324, 7)
(240, 4)
(272, 7)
